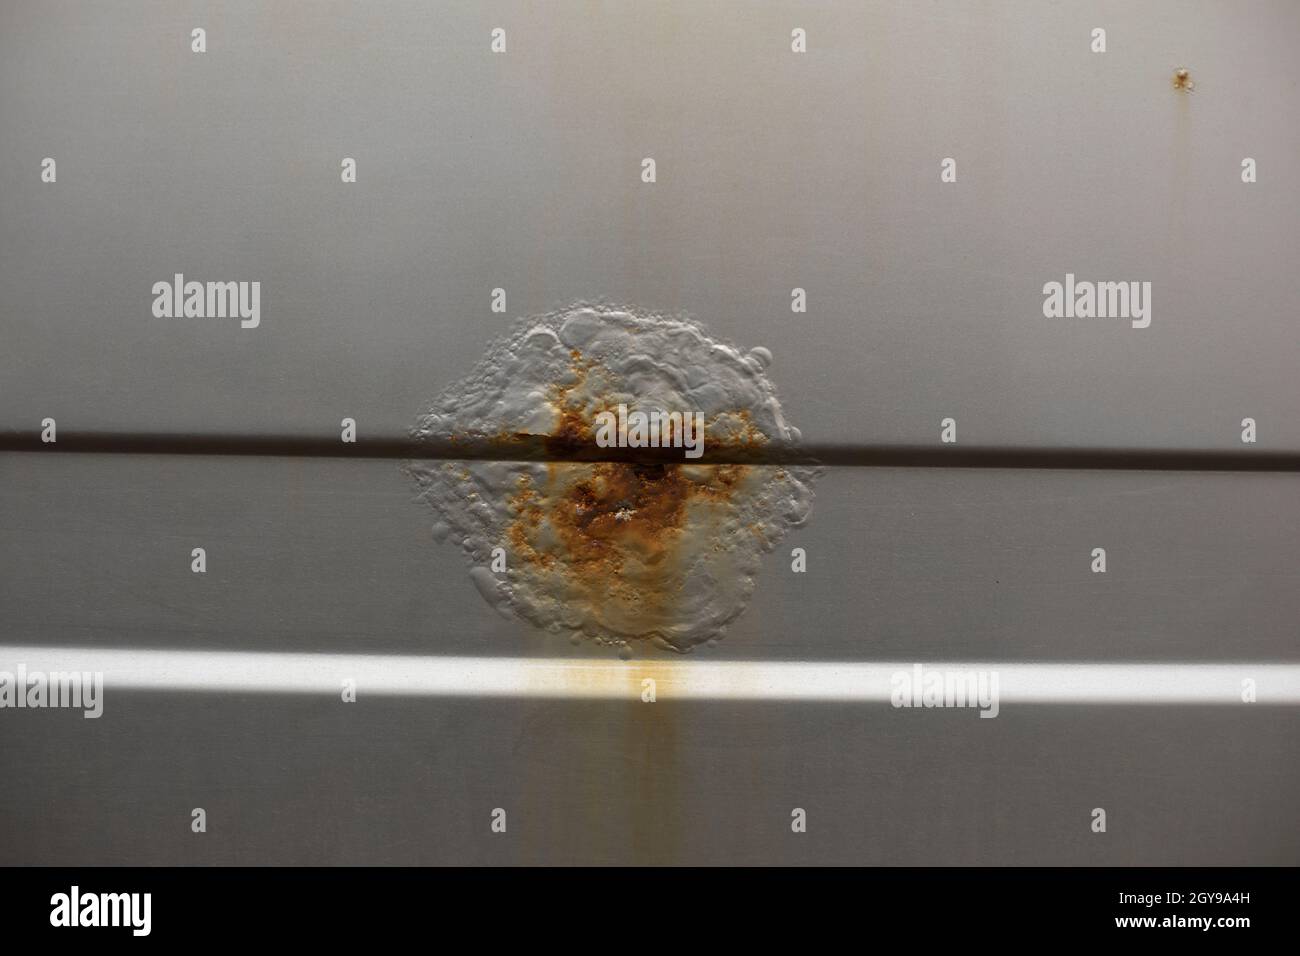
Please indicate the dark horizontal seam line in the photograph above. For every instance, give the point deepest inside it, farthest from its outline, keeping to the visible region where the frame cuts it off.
(542, 449)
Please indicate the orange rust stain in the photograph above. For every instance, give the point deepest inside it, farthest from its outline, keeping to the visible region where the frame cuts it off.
(1183, 80)
(614, 529)
(589, 523)
(573, 430)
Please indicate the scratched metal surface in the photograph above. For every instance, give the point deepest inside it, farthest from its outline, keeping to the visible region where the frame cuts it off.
(337, 556)
(299, 780)
(774, 171)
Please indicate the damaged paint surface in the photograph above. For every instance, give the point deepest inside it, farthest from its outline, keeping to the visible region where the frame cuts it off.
(651, 547)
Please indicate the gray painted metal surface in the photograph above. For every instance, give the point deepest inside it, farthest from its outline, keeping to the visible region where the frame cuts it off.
(774, 171)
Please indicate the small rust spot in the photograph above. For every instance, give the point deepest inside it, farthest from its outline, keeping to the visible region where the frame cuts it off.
(1183, 80)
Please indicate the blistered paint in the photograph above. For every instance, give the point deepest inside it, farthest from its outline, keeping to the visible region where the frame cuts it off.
(663, 549)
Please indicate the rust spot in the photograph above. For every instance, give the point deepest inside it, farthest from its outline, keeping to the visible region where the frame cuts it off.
(613, 529)
(573, 429)
(1183, 80)
(616, 544)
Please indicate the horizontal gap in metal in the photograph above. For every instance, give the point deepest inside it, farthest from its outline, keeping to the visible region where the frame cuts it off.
(536, 448)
